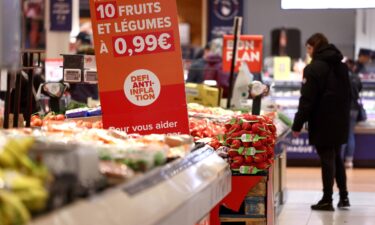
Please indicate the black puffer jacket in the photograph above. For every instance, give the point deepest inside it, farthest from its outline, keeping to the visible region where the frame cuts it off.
(325, 99)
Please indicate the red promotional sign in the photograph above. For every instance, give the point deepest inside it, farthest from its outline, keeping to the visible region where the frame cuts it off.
(139, 65)
(250, 50)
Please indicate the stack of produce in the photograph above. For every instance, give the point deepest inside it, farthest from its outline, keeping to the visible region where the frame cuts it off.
(248, 143)
(203, 128)
(51, 118)
(38, 121)
(214, 113)
(207, 122)
(140, 153)
(22, 182)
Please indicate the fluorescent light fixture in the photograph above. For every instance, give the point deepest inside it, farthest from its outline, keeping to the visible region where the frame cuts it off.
(327, 4)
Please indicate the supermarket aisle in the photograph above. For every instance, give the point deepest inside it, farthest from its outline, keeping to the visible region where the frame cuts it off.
(304, 189)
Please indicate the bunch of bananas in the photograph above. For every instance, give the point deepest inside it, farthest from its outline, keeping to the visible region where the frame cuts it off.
(13, 155)
(22, 182)
(29, 190)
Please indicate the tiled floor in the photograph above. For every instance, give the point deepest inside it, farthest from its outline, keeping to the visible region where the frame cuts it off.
(304, 189)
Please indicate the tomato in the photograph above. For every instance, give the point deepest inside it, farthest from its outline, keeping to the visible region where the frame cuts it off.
(33, 117)
(60, 117)
(98, 125)
(37, 122)
(87, 125)
(79, 123)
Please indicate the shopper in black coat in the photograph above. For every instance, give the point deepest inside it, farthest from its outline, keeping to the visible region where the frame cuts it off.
(325, 105)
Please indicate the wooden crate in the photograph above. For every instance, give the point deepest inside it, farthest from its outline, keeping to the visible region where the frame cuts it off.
(245, 221)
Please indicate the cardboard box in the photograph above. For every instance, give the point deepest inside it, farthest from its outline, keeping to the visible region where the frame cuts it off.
(259, 190)
(202, 94)
(255, 206)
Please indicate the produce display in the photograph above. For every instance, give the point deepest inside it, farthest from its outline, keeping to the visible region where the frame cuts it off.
(212, 113)
(38, 121)
(248, 143)
(51, 118)
(204, 128)
(245, 141)
(207, 122)
(25, 155)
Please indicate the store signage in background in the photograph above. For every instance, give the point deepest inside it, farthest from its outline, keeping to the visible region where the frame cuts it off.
(61, 15)
(139, 64)
(54, 71)
(221, 14)
(299, 148)
(281, 68)
(249, 50)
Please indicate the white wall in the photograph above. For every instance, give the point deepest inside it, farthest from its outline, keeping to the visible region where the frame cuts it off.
(58, 42)
(365, 29)
(261, 16)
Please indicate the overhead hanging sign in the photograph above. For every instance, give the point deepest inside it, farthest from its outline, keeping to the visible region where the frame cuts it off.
(249, 50)
(221, 14)
(139, 65)
(61, 15)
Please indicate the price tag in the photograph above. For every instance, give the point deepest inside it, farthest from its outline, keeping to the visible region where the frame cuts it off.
(247, 138)
(91, 77)
(72, 75)
(190, 91)
(250, 151)
(132, 45)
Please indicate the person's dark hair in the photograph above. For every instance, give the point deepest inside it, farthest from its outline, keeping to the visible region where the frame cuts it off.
(317, 41)
(207, 46)
(199, 54)
(350, 62)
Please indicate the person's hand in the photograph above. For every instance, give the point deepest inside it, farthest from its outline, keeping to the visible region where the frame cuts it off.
(296, 134)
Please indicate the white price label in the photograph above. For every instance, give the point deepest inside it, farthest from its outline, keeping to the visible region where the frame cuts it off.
(72, 75)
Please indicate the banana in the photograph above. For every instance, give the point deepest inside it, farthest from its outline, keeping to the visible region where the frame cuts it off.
(7, 160)
(35, 199)
(30, 190)
(12, 211)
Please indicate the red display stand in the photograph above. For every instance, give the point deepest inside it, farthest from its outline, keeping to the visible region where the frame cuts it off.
(241, 185)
